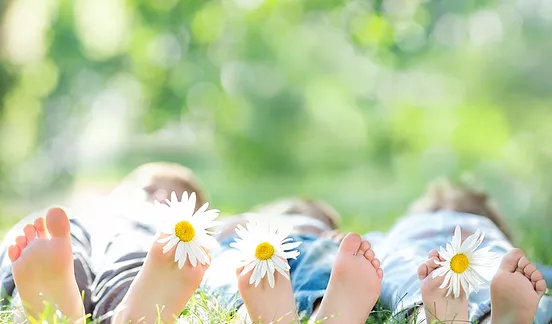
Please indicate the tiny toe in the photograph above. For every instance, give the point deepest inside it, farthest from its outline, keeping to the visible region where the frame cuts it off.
(40, 226)
(350, 243)
(529, 270)
(57, 223)
(376, 263)
(536, 276)
(432, 263)
(364, 246)
(510, 260)
(14, 252)
(540, 287)
(522, 263)
(423, 271)
(370, 254)
(21, 242)
(30, 232)
(433, 254)
(380, 273)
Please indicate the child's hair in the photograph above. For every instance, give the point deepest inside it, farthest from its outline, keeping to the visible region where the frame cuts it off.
(159, 179)
(302, 206)
(445, 195)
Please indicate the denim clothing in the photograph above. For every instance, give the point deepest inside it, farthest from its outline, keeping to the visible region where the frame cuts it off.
(309, 273)
(407, 245)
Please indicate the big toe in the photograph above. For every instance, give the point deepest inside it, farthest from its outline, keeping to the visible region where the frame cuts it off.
(57, 223)
(510, 260)
(350, 244)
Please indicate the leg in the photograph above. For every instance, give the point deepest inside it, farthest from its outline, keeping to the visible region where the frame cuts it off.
(354, 286)
(437, 307)
(43, 270)
(160, 290)
(267, 305)
(516, 290)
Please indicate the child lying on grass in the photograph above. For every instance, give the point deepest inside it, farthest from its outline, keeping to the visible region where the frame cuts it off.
(516, 288)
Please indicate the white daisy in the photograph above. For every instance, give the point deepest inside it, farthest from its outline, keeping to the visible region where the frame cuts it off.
(265, 247)
(463, 265)
(188, 231)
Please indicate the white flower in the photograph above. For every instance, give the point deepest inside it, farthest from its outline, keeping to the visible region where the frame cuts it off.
(265, 247)
(463, 265)
(188, 230)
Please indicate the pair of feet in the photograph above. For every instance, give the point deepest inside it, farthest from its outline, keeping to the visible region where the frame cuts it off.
(42, 266)
(516, 290)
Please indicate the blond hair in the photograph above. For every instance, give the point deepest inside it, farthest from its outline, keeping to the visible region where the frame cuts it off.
(303, 206)
(445, 195)
(162, 178)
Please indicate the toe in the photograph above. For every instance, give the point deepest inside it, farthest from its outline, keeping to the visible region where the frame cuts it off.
(536, 276)
(423, 271)
(350, 244)
(540, 287)
(30, 232)
(57, 223)
(370, 255)
(380, 273)
(432, 263)
(21, 242)
(364, 246)
(522, 263)
(529, 270)
(40, 226)
(376, 263)
(510, 260)
(14, 252)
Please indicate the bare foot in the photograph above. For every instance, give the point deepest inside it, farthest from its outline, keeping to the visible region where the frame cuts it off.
(355, 284)
(436, 305)
(160, 290)
(268, 305)
(43, 271)
(516, 290)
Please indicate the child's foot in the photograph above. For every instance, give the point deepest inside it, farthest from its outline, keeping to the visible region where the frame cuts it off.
(161, 290)
(436, 305)
(355, 284)
(516, 289)
(43, 271)
(267, 305)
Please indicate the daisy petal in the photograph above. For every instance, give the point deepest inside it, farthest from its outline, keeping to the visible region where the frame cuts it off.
(249, 267)
(171, 244)
(457, 237)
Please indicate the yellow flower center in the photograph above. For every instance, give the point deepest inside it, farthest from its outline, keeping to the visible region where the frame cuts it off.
(184, 231)
(459, 263)
(264, 251)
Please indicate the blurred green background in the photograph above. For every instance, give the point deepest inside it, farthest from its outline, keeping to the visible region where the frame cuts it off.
(359, 103)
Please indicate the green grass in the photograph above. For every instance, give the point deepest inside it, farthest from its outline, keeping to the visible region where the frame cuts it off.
(201, 309)
(204, 308)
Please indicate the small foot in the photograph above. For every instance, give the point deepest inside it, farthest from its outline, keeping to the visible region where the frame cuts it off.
(43, 270)
(516, 290)
(355, 284)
